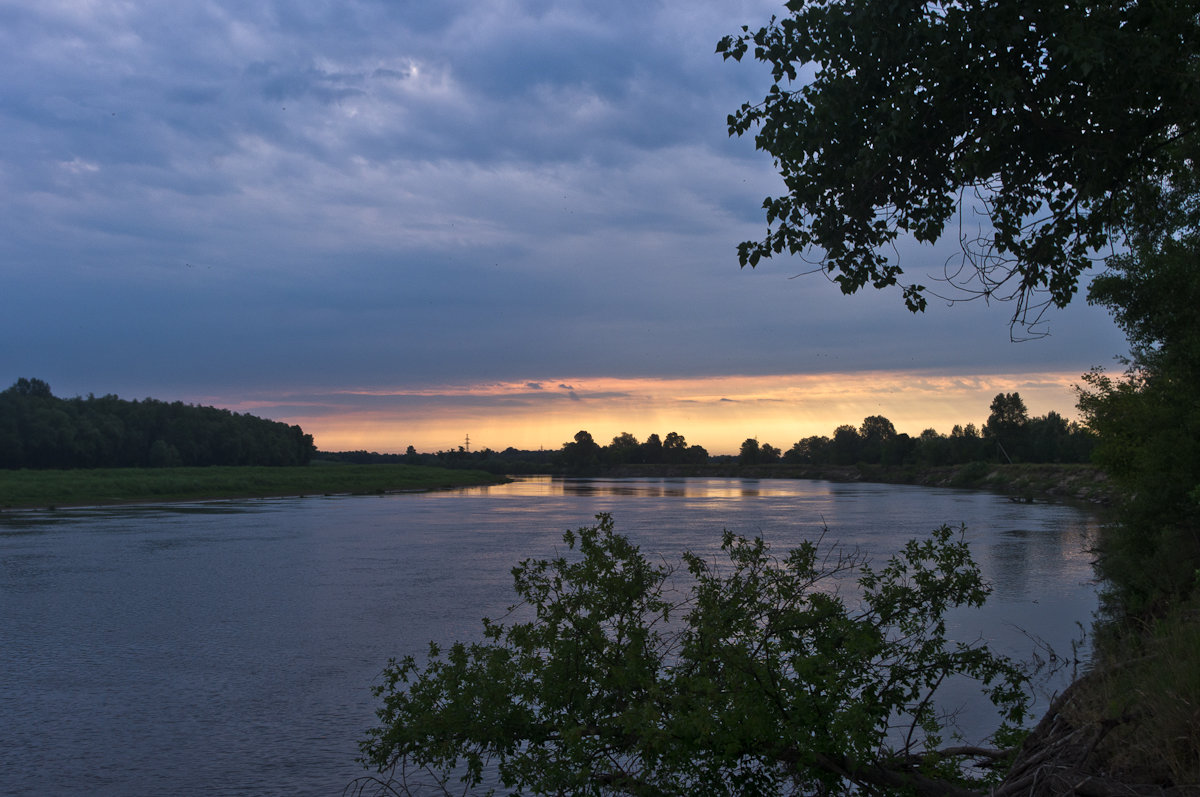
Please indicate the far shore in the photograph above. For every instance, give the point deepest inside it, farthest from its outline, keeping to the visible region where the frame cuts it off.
(1021, 482)
(52, 489)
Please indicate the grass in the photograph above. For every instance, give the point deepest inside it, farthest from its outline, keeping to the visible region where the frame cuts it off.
(1145, 688)
(24, 489)
(1081, 482)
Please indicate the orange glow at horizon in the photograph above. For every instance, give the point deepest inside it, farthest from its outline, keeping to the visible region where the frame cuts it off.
(717, 412)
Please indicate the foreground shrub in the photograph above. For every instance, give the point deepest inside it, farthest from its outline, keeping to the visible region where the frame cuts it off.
(758, 677)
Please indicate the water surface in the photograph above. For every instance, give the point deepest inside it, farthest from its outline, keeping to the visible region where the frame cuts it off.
(228, 648)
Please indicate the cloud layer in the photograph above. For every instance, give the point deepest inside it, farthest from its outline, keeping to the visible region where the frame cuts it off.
(243, 199)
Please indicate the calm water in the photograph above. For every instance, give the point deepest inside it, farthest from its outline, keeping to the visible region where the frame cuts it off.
(229, 648)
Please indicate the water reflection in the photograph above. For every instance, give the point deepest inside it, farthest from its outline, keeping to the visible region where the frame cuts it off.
(229, 647)
(558, 486)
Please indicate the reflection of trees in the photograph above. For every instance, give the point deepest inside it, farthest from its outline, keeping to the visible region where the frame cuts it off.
(644, 489)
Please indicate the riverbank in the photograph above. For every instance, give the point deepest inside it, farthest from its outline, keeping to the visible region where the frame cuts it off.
(37, 489)
(1022, 482)
(42, 489)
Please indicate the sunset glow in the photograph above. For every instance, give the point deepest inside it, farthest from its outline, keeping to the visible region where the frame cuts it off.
(717, 413)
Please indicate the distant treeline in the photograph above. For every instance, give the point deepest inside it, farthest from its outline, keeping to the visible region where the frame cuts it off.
(510, 461)
(1010, 435)
(581, 457)
(39, 430)
(584, 455)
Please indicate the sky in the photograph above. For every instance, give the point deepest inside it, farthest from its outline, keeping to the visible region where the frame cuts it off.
(405, 223)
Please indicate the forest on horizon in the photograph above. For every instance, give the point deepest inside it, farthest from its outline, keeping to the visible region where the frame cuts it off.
(1009, 435)
(40, 430)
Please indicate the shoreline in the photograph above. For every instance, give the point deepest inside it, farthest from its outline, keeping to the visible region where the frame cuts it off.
(1027, 483)
(95, 488)
(49, 490)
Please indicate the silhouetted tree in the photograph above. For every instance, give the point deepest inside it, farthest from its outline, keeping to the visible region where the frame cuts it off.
(32, 388)
(652, 450)
(1007, 424)
(845, 445)
(582, 456)
(875, 432)
(749, 453)
(674, 448)
(898, 450)
(624, 449)
(889, 120)
(809, 451)
(933, 448)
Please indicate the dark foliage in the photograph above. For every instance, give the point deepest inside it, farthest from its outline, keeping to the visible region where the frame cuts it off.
(39, 430)
(756, 675)
(1031, 130)
(510, 461)
(1149, 421)
(1047, 439)
(1009, 435)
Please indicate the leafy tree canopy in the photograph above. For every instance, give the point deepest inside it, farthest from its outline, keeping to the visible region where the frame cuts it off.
(1055, 122)
(749, 452)
(625, 441)
(1155, 299)
(674, 441)
(33, 388)
(877, 427)
(1149, 422)
(756, 677)
(1008, 414)
(40, 430)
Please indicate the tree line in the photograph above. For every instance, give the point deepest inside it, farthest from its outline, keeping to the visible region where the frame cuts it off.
(1010, 435)
(40, 430)
(580, 456)
(511, 461)
(585, 455)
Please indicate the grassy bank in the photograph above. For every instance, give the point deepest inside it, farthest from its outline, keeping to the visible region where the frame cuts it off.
(1026, 481)
(1130, 725)
(51, 488)
(1021, 481)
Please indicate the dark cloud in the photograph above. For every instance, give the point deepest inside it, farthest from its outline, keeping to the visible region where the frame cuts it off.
(361, 193)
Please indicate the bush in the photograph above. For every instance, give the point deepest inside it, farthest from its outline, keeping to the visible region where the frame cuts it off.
(757, 679)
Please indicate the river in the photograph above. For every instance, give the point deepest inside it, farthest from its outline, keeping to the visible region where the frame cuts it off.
(229, 647)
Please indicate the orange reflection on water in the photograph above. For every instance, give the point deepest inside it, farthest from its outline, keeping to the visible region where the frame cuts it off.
(649, 487)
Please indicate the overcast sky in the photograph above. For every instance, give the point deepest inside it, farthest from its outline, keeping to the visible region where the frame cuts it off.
(404, 222)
